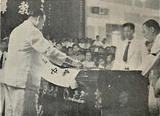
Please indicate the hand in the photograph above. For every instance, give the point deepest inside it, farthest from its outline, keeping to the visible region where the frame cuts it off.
(77, 64)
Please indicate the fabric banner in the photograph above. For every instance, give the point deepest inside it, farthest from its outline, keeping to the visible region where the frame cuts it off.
(59, 76)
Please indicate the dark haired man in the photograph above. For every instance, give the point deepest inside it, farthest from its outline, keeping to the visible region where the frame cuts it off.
(97, 43)
(151, 65)
(151, 31)
(22, 68)
(129, 53)
(3, 56)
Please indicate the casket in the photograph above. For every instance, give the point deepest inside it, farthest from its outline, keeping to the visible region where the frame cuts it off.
(123, 93)
(87, 82)
(104, 93)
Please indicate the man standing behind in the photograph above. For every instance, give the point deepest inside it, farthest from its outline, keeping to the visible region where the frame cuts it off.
(21, 74)
(3, 56)
(128, 54)
(97, 43)
(151, 64)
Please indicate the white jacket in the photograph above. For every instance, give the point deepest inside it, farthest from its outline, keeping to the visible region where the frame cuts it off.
(135, 55)
(24, 60)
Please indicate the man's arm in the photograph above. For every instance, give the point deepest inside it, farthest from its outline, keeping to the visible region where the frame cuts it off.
(40, 44)
(148, 63)
(151, 60)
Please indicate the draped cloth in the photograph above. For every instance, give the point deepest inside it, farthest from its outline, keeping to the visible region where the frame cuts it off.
(64, 77)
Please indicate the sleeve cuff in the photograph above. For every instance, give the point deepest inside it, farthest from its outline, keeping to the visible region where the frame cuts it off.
(68, 61)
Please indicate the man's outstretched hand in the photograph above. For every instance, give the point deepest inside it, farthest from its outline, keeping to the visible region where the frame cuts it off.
(79, 65)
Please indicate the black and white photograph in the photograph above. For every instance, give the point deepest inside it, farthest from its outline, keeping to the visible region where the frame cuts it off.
(80, 58)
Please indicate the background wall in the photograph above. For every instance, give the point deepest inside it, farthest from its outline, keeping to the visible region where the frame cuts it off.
(64, 18)
(119, 12)
(11, 18)
(75, 19)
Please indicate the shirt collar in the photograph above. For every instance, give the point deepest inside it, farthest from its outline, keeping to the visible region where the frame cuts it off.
(28, 23)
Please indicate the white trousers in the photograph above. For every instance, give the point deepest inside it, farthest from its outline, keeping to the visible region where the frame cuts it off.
(153, 102)
(20, 102)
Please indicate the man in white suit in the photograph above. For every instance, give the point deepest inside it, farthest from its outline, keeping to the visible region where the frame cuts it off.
(24, 63)
(129, 52)
(151, 64)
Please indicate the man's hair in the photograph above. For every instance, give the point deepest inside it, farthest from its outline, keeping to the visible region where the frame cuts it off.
(88, 51)
(101, 48)
(58, 43)
(75, 45)
(36, 12)
(131, 25)
(152, 23)
(148, 42)
(97, 36)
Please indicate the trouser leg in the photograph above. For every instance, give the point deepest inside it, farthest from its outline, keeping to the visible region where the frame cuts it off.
(14, 101)
(153, 108)
(159, 106)
(2, 96)
(31, 103)
(20, 102)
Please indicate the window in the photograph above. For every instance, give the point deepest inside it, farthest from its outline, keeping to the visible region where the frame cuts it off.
(114, 31)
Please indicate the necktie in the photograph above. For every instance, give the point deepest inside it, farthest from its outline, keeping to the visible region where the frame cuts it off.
(1, 61)
(125, 56)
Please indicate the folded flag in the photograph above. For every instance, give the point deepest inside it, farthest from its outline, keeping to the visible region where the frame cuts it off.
(64, 77)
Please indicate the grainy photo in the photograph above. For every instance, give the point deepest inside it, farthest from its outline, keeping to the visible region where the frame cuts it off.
(80, 58)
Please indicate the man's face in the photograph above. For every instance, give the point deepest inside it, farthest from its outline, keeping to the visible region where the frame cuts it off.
(4, 46)
(76, 49)
(113, 50)
(92, 48)
(88, 56)
(109, 58)
(97, 38)
(101, 50)
(128, 33)
(70, 51)
(40, 22)
(59, 46)
(149, 46)
(101, 62)
(147, 33)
